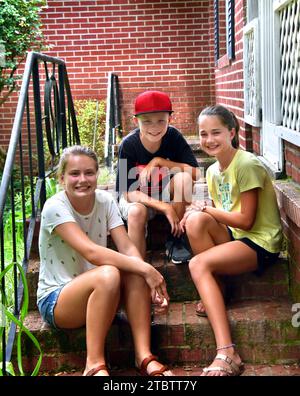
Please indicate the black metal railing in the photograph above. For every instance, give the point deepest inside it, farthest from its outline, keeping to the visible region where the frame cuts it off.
(40, 131)
(113, 120)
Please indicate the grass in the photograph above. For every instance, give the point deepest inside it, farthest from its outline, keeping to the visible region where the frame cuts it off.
(13, 270)
(106, 176)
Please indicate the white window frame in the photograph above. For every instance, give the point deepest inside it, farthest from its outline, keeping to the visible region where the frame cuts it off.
(255, 118)
(284, 133)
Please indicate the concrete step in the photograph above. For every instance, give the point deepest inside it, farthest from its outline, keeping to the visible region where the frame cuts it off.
(262, 330)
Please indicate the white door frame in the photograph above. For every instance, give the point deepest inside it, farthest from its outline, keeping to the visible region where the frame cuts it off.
(271, 142)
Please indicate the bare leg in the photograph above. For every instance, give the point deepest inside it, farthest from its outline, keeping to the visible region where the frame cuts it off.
(91, 299)
(137, 301)
(137, 218)
(216, 256)
(181, 189)
(212, 233)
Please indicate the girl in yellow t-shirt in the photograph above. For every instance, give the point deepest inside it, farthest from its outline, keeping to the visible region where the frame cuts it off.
(240, 232)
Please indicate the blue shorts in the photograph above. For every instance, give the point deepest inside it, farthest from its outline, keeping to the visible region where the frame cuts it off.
(46, 307)
(264, 258)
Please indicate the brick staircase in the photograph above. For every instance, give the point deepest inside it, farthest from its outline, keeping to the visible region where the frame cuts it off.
(259, 309)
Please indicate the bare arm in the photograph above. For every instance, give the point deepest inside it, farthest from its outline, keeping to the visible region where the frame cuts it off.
(244, 219)
(98, 255)
(123, 243)
(139, 196)
(159, 162)
(166, 208)
(126, 246)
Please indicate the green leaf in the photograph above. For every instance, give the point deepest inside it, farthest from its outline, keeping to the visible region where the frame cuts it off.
(19, 322)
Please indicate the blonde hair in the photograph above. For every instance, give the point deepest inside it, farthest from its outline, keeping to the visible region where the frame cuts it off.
(75, 150)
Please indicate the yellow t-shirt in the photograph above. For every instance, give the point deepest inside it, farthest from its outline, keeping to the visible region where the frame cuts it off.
(244, 173)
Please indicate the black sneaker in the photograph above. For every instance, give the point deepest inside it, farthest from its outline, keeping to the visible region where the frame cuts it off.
(177, 250)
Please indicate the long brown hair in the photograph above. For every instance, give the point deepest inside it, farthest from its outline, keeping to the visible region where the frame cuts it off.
(227, 119)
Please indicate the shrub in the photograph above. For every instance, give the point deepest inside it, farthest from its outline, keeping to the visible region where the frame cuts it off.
(86, 113)
(20, 30)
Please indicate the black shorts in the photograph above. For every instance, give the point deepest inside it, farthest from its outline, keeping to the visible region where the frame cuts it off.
(264, 258)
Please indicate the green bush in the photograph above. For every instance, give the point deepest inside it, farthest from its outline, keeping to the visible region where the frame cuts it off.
(86, 113)
(20, 31)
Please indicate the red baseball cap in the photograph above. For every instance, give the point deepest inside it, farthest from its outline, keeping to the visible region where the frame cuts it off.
(152, 102)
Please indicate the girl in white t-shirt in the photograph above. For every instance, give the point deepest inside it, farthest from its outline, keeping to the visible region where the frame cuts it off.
(81, 281)
(240, 232)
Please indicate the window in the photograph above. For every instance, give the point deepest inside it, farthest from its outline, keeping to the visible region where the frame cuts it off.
(252, 79)
(224, 29)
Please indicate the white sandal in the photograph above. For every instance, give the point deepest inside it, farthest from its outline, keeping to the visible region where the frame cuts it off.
(233, 368)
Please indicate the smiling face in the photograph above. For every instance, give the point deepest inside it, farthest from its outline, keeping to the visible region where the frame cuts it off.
(215, 138)
(80, 177)
(153, 126)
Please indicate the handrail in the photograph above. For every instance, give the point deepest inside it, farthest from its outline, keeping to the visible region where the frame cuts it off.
(49, 120)
(113, 119)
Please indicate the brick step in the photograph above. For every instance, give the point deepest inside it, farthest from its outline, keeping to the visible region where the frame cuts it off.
(257, 370)
(272, 284)
(262, 331)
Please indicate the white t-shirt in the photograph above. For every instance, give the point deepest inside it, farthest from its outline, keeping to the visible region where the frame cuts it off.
(59, 263)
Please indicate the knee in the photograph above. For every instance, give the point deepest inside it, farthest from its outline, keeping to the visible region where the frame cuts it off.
(193, 264)
(183, 178)
(133, 281)
(183, 181)
(198, 266)
(137, 214)
(197, 223)
(107, 277)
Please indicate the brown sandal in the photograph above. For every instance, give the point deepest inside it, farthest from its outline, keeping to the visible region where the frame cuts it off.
(143, 369)
(199, 312)
(96, 370)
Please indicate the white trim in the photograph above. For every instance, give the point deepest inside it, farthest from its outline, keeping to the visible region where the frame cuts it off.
(288, 134)
(252, 119)
(280, 4)
(252, 10)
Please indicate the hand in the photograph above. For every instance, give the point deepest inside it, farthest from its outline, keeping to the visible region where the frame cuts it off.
(173, 219)
(196, 206)
(157, 285)
(161, 304)
(145, 174)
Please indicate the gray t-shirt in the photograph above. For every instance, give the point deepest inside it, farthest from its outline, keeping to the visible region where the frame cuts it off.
(59, 263)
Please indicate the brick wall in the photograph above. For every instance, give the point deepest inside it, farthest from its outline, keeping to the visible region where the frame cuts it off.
(289, 193)
(229, 92)
(230, 78)
(156, 44)
(292, 158)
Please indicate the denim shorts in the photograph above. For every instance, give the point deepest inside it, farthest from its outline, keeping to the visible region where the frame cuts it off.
(46, 307)
(264, 258)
